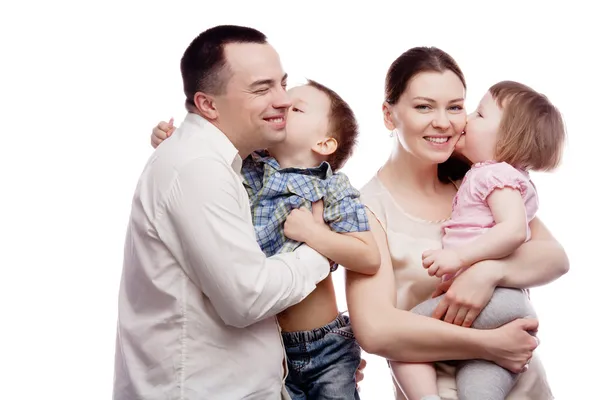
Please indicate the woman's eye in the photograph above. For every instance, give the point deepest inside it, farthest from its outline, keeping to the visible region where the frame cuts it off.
(423, 107)
(294, 109)
(456, 108)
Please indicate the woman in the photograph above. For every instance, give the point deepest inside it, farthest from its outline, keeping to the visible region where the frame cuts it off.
(409, 198)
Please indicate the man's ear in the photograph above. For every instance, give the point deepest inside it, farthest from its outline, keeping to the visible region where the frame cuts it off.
(206, 105)
(325, 147)
(387, 116)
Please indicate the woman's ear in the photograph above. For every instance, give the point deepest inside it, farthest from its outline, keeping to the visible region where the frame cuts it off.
(206, 106)
(387, 116)
(325, 147)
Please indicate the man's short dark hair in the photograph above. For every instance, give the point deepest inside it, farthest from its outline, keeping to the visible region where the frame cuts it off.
(203, 65)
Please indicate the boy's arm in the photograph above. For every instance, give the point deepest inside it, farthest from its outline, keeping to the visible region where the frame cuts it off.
(356, 251)
(347, 240)
(510, 231)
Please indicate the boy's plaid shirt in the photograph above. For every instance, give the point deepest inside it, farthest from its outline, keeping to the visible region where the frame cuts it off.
(274, 192)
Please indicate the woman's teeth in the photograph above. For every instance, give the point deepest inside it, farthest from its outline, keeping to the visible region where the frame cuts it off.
(439, 140)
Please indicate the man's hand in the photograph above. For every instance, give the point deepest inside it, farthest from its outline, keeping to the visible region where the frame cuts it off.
(442, 262)
(161, 132)
(302, 224)
(360, 375)
(511, 346)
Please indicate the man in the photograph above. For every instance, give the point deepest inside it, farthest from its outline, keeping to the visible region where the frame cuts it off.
(198, 298)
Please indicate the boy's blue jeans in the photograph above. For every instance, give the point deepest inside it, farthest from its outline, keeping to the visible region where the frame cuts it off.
(322, 363)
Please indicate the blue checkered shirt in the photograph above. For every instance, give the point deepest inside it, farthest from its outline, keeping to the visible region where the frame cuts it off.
(274, 192)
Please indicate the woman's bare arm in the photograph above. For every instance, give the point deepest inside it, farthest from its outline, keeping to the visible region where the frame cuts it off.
(399, 335)
(539, 261)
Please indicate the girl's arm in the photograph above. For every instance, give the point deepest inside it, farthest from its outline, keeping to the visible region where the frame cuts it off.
(537, 262)
(509, 232)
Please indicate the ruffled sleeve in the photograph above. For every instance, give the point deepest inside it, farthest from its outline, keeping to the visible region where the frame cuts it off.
(485, 179)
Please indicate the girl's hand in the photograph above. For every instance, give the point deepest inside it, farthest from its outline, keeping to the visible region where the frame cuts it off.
(442, 262)
(467, 294)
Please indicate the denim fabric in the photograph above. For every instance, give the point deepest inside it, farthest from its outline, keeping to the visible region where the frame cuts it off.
(322, 363)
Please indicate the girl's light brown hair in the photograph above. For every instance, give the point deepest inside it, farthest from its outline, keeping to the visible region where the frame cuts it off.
(532, 132)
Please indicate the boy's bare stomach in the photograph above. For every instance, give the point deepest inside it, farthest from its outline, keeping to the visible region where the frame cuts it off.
(315, 311)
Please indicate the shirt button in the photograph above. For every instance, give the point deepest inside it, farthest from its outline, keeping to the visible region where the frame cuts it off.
(306, 190)
(360, 211)
(277, 174)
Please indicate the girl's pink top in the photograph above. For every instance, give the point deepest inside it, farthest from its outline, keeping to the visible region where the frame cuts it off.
(471, 215)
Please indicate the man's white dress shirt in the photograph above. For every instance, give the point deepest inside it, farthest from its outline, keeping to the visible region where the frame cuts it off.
(198, 298)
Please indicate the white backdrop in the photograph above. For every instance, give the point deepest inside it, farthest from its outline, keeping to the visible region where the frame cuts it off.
(82, 84)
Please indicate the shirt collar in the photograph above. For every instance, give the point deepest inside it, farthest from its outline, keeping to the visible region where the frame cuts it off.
(323, 171)
(223, 147)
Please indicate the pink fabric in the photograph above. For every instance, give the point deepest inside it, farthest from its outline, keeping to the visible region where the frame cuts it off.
(471, 215)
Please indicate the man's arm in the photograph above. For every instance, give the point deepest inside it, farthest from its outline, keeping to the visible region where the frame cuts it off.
(220, 254)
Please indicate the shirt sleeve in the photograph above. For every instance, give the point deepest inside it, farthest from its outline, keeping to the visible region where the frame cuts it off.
(484, 180)
(204, 219)
(343, 210)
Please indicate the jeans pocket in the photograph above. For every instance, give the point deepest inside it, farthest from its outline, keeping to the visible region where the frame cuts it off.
(297, 357)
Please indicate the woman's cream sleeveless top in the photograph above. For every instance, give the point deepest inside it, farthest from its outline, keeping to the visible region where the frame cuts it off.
(407, 238)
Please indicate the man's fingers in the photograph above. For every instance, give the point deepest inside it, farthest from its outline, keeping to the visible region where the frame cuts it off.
(363, 364)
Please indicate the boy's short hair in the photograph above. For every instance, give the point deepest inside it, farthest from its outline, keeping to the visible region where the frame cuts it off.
(532, 131)
(343, 126)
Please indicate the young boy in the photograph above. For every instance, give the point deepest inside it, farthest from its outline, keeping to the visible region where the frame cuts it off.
(282, 184)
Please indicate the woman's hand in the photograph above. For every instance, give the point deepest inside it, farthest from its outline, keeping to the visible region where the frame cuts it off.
(467, 294)
(161, 131)
(511, 346)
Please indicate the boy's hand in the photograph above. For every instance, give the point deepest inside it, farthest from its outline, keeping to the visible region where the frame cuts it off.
(161, 132)
(442, 262)
(301, 224)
